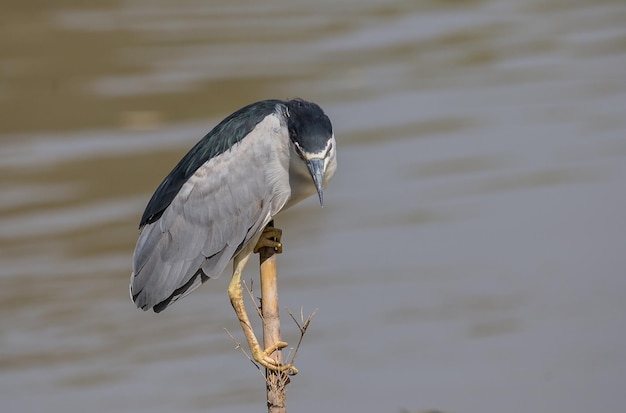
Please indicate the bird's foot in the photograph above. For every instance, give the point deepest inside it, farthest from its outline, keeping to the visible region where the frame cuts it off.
(263, 358)
(270, 238)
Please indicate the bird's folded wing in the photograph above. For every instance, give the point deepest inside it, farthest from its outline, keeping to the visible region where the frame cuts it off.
(216, 212)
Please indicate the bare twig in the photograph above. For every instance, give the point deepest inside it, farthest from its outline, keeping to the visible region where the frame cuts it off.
(276, 381)
(245, 353)
(256, 306)
(302, 327)
(268, 311)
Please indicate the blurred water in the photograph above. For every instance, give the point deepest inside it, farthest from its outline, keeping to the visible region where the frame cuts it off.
(469, 256)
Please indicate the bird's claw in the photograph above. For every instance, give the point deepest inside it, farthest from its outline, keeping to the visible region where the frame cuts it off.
(263, 358)
(270, 238)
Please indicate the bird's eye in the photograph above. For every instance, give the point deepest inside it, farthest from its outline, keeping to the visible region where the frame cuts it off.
(330, 147)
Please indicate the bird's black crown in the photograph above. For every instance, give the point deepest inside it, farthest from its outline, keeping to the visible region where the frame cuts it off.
(308, 125)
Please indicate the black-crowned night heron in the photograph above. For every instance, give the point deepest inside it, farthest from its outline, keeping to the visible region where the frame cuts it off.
(216, 203)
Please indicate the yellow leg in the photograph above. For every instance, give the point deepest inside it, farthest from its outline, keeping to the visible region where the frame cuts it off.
(235, 293)
(270, 237)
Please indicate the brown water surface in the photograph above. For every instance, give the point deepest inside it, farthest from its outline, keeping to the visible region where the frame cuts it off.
(470, 254)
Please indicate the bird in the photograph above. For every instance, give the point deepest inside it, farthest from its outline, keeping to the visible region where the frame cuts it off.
(215, 205)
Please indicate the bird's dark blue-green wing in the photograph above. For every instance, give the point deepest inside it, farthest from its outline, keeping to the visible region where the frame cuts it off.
(222, 207)
(220, 139)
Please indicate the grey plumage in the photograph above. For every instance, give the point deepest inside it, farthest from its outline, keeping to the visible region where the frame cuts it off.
(223, 193)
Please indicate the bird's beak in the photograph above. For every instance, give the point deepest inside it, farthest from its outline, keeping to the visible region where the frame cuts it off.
(316, 167)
